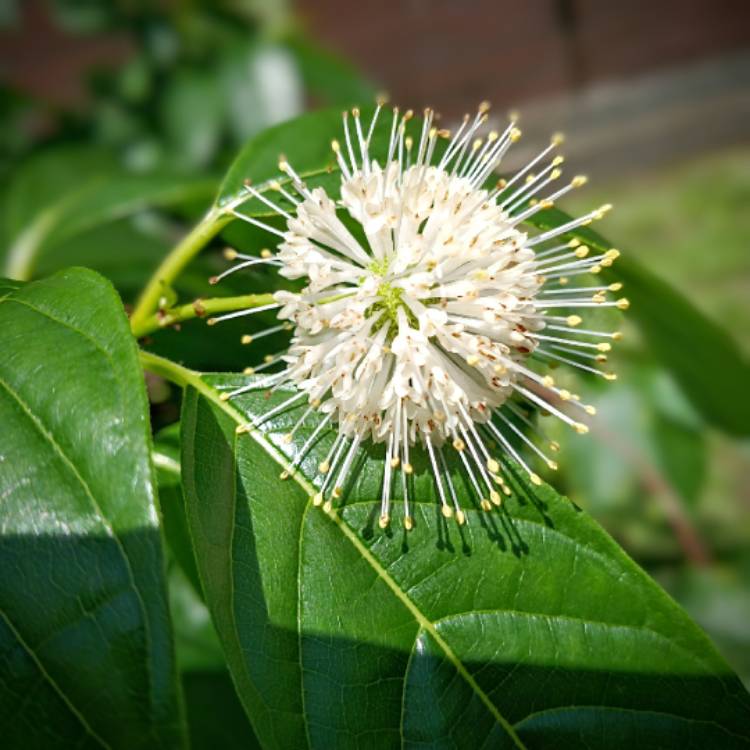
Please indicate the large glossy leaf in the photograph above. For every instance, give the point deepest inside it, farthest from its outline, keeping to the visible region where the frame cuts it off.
(526, 628)
(85, 641)
(702, 356)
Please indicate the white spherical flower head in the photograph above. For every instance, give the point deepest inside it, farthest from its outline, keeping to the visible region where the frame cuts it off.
(425, 322)
(425, 297)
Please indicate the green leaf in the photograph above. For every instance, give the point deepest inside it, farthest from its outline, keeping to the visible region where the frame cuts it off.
(305, 141)
(702, 357)
(85, 639)
(528, 627)
(79, 192)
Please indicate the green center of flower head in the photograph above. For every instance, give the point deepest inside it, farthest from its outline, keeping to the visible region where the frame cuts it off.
(389, 299)
(389, 302)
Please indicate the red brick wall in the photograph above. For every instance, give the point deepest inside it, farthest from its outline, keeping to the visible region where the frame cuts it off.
(452, 53)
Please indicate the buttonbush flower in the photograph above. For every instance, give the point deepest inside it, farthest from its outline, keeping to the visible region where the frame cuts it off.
(425, 300)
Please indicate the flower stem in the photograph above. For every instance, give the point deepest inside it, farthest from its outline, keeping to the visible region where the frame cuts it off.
(197, 309)
(183, 377)
(173, 263)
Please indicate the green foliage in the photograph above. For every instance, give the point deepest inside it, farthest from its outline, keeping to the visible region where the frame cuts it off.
(704, 359)
(122, 616)
(85, 636)
(336, 631)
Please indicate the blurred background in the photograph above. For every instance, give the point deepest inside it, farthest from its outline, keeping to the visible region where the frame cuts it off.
(654, 98)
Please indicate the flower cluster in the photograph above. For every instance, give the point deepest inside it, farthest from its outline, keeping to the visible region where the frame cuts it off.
(419, 327)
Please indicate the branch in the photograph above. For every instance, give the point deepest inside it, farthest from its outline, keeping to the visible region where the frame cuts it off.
(197, 309)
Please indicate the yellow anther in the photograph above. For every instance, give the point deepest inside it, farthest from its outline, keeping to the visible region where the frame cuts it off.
(617, 336)
(249, 371)
(615, 287)
(610, 376)
(266, 253)
(565, 394)
(324, 467)
(247, 339)
(472, 360)
(408, 523)
(460, 517)
(574, 320)
(579, 180)
(555, 174)
(557, 161)
(515, 134)
(284, 475)
(317, 499)
(459, 444)
(408, 469)
(590, 409)
(486, 505)
(552, 464)
(623, 303)
(548, 381)
(495, 497)
(535, 479)
(384, 520)
(581, 428)
(604, 346)
(288, 437)
(328, 506)
(335, 146)
(582, 251)
(574, 243)
(395, 462)
(447, 511)
(224, 397)
(230, 253)
(557, 139)
(241, 428)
